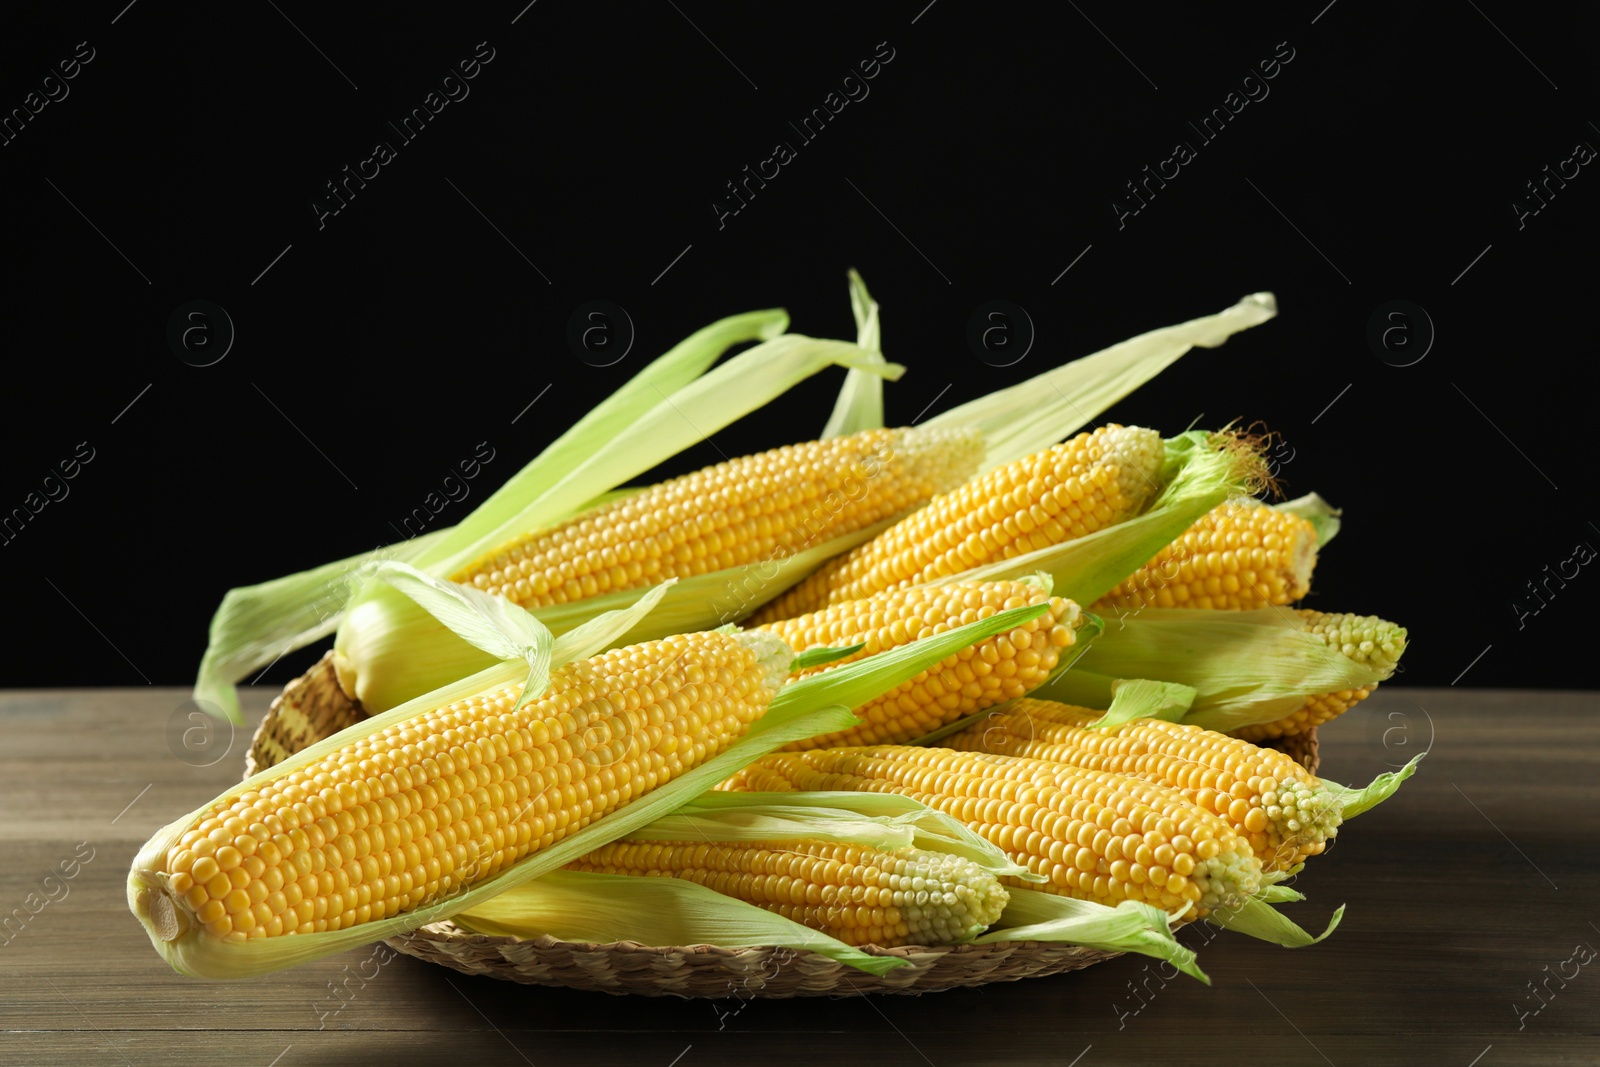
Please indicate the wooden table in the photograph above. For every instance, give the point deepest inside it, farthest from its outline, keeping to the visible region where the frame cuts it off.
(1470, 888)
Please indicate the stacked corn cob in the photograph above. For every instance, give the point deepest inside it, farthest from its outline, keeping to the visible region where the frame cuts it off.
(403, 817)
(742, 511)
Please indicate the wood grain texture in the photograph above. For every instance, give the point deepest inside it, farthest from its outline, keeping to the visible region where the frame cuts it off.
(1480, 877)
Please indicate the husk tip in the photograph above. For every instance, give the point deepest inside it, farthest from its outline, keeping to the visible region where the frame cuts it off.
(773, 655)
(1264, 301)
(218, 699)
(775, 328)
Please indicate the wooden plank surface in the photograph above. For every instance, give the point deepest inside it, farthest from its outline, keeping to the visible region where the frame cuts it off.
(1470, 888)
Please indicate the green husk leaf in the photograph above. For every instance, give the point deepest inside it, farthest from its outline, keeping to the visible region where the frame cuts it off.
(932, 739)
(1079, 687)
(816, 657)
(860, 403)
(865, 310)
(1323, 516)
(1376, 792)
(503, 631)
(881, 820)
(770, 821)
(606, 629)
(1145, 698)
(1131, 926)
(631, 446)
(812, 706)
(680, 366)
(1280, 894)
(608, 908)
(1046, 408)
(1259, 919)
(255, 625)
(1201, 472)
(1247, 667)
(491, 623)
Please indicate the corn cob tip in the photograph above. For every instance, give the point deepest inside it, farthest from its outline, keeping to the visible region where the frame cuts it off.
(773, 655)
(1303, 558)
(1136, 452)
(1226, 882)
(943, 455)
(1305, 816)
(1367, 639)
(946, 898)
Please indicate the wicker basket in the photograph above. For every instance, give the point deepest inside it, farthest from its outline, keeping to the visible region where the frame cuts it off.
(313, 707)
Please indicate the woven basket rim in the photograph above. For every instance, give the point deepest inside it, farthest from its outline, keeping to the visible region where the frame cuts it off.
(446, 928)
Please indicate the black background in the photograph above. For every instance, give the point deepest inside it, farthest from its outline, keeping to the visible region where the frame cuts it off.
(378, 350)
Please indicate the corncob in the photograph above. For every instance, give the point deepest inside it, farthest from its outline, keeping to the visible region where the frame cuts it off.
(1095, 835)
(979, 676)
(1095, 480)
(857, 894)
(413, 813)
(1280, 808)
(745, 510)
(1240, 555)
(1366, 639)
